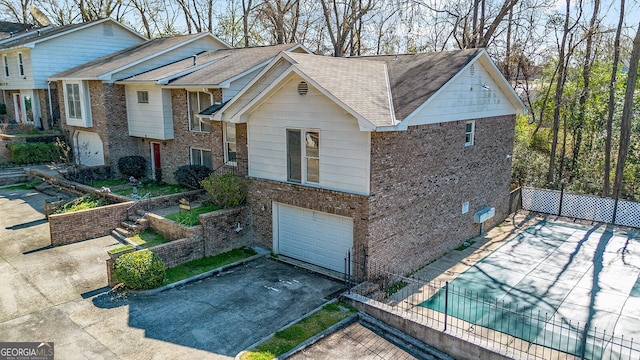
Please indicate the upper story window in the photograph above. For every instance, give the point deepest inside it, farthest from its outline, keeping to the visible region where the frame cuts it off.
(201, 157)
(303, 156)
(6, 65)
(229, 143)
(198, 101)
(143, 97)
(469, 133)
(20, 64)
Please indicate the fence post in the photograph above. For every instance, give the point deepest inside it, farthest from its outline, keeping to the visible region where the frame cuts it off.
(615, 207)
(446, 303)
(561, 197)
(347, 271)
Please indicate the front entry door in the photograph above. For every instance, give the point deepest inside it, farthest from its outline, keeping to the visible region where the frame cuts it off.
(156, 171)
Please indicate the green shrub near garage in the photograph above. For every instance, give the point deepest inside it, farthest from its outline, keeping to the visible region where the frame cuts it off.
(35, 153)
(139, 270)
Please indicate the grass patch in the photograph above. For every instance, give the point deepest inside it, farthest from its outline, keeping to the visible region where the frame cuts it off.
(120, 249)
(27, 186)
(465, 245)
(395, 287)
(108, 183)
(287, 339)
(190, 218)
(154, 190)
(199, 266)
(148, 238)
(83, 203)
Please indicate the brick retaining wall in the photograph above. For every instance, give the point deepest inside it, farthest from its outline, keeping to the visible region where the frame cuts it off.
(86, 224)
(180, 251)
(219, 230)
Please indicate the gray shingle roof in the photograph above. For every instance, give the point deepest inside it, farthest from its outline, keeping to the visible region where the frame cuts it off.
(370, 84)
(212, 67)
(122, 58)
(8, 28)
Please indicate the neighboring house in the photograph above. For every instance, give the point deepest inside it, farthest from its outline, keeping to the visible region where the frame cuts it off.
(387, 156)
(8, 29)
(93, 107)
(164, 106)
(29, 58)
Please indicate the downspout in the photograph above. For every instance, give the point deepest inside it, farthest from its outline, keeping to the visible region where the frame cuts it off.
(50, 104)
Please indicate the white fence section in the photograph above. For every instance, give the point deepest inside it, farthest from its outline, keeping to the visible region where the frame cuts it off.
(579, 206)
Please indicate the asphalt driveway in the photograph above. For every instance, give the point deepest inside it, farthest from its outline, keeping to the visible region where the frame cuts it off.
(58, 294)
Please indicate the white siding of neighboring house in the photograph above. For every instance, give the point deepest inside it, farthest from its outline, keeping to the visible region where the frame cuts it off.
(466, 98)
(15, 81)
(180, 53)
(344, 149)
(149, 120)
(237, 85)
(76, 48)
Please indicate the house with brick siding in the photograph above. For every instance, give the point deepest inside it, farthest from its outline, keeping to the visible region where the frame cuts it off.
(387, 157)
(93, 105)
(30, 55)
(164, 107)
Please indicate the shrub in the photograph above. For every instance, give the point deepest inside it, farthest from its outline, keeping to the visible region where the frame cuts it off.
(135, 166)
(139, 270)
(190, 176)
(85, 202)
(226, 190)
(37, 152)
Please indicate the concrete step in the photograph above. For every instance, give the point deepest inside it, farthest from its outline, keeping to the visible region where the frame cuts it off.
(367, 288)
(139, 220)
(124, 232)
(133, 227)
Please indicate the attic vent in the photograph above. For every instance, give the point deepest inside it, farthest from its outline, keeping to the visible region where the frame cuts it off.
(472, 70)
(303, 88)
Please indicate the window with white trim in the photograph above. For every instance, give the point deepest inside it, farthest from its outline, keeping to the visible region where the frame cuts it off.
(303, 156)
(20, 64)
(74, 102)
(6, 65)
(469, 133)
(201, 157)
(143, 97)
(198, 101)
(229, 143)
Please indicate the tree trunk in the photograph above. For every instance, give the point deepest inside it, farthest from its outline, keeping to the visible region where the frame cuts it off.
(627, 112)
(612, 105)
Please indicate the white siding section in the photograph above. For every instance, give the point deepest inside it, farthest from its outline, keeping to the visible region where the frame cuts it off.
(344, 149)
(256, 88)
(149, 120)
(237, 85)
(180, 53)
(15, 81)
(469, 96)
(68, 51)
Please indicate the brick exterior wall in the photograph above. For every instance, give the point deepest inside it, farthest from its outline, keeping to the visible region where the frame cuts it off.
(86, 224)
(219, 233)
(265, 192)
(421, 177)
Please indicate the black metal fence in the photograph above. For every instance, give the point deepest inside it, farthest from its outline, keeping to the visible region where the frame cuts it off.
(516, 330)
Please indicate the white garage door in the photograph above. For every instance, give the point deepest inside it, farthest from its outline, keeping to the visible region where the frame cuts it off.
(88, 148)
(315, 237)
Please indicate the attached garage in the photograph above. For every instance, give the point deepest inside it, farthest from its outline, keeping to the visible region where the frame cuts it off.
(88, 148)
(311, 236)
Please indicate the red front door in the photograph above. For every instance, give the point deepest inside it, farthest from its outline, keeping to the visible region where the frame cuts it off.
(155, 150)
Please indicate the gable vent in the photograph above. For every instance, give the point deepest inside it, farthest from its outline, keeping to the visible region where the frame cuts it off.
(472, 69)
(303, 88)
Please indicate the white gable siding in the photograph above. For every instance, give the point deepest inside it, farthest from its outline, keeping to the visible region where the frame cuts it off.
(15, 81)
(237, 85)
(257, 88)
(76, 48)
(344, 149)
(180, 53)
(149, 120)
(469, 96)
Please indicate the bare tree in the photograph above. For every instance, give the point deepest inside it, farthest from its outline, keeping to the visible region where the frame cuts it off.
(627, 113)
(611, 104)
(18, 10)
(341, 19)
(281, 18)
